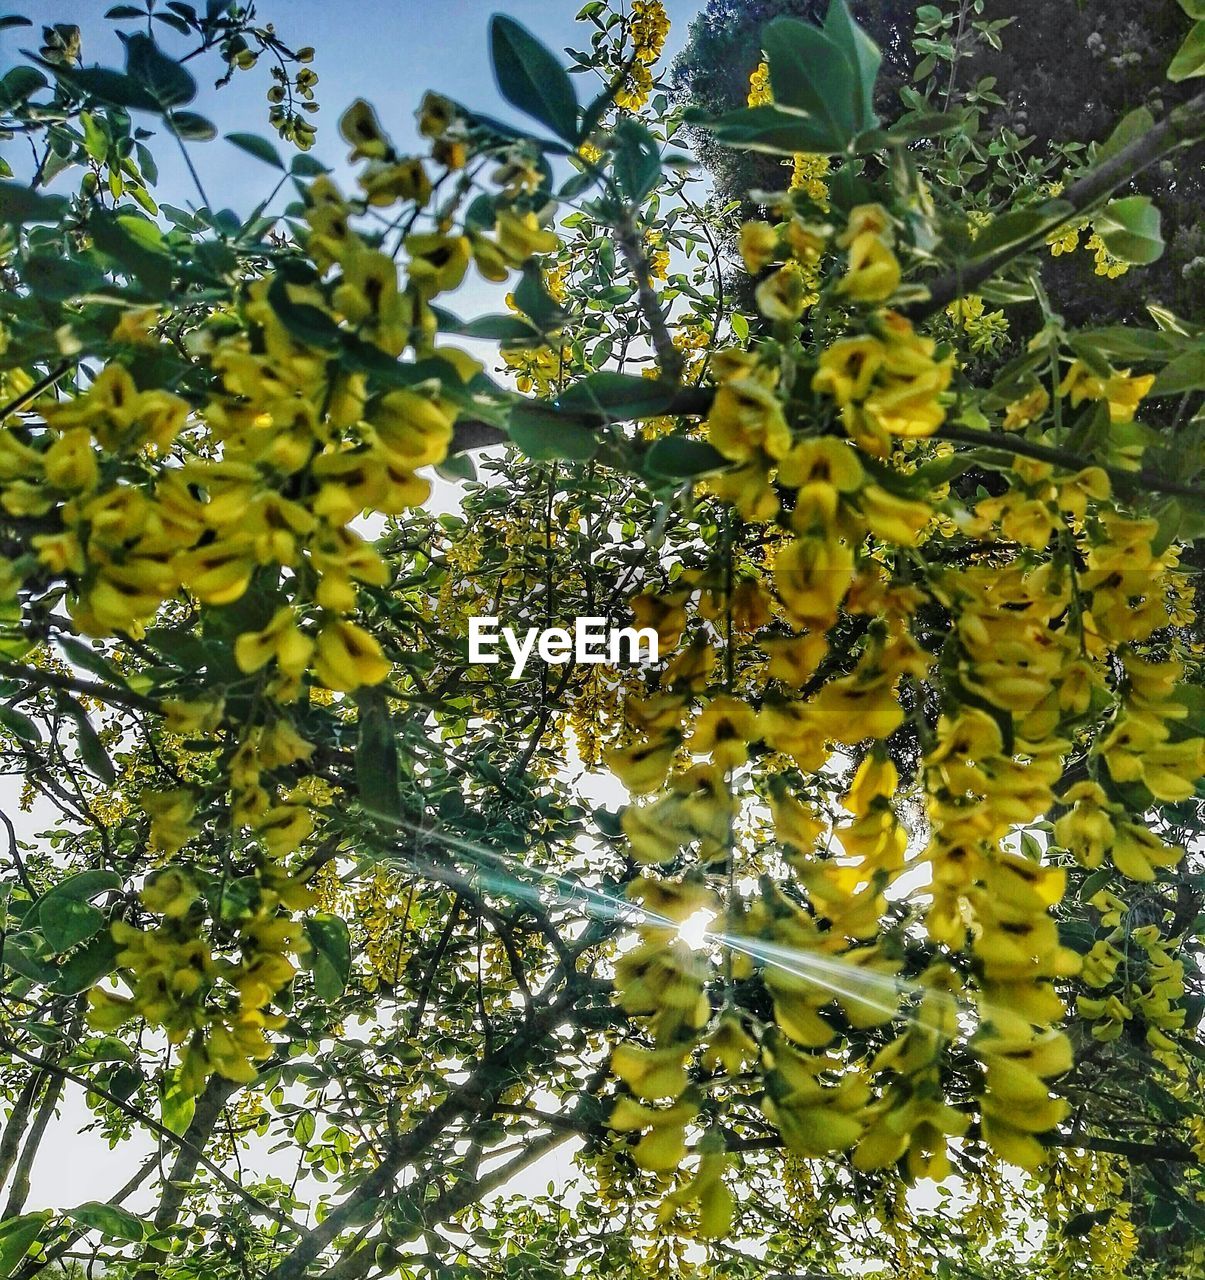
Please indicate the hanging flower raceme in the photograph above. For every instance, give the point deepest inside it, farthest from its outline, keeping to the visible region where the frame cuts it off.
(291, 448)
(1065, 596)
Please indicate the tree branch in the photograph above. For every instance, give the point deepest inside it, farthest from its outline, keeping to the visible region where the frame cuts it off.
(188, 1156)
(1182, 125)
(160, 1130)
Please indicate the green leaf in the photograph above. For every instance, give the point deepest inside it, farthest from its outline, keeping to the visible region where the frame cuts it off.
(19, 83)
(304, 166)
(1132, 126)
(498, 328)
(14, 20)
(683, 459)
(810, 72)
(90, 660)
(637, 160)
(619, 397)
(1005, 292)
(121, 240)
(544, 434)
(258, 147)
(1194, 8)
(531, 78)
(863, 54)
(113, 88)
(192, 127)
(771, 129)
(86, 965)
(925, 124)
(176, 1107)
(20, 725)
(1124, 342)
(67, 922)
(1189, 61)
(20, 959)
(20, 204)
(303, 1128)
(377, 772)
(330, 956)
(1130, 228)
(1184, 373)
(110, 1220)
(91, 749)
(457, 466)
(170, 20)
(533, 299)
(17, 1237)
(1013, 228)
(53, 276)
(67, 919)
(168, 83)
(84, 885)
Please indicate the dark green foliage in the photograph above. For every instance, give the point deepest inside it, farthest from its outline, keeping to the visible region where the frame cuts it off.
(1064, 70)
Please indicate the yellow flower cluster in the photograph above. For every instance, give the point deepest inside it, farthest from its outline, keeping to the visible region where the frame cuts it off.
(885, 383)
(647, 28)
(1052, 619)
(986, 330)
(1067, 240)
(790, 289)
(176, 978)
(808, 170)
(1119, 390)
(274, 469)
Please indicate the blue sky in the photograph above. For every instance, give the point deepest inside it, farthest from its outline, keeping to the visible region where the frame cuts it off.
(388, 51)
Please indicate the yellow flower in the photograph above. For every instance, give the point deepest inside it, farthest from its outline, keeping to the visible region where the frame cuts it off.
(437, 262)
(642, 767)
(1122, 392)
(847, 369)
(648, 25)
(746, 417)
(520, 236)
(748, 488)
(368, 289)
(758, 245)
(664, 614)
(651, 1073)
(360, 128)
(348, 657)
(724, 729)
(413, 428)
(782, 296)
(171, 814)
(794, 659)
(406, 179)
(436, 115)
(873, 274)
(892, 518)
(71, 463)
(812, 576)
(284, 827)
(282, 640)
(1020, 413)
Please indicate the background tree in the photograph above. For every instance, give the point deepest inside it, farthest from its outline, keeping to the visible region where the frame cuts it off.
(1039, 76)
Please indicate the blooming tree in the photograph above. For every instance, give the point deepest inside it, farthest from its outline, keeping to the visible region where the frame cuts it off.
(328, 925)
